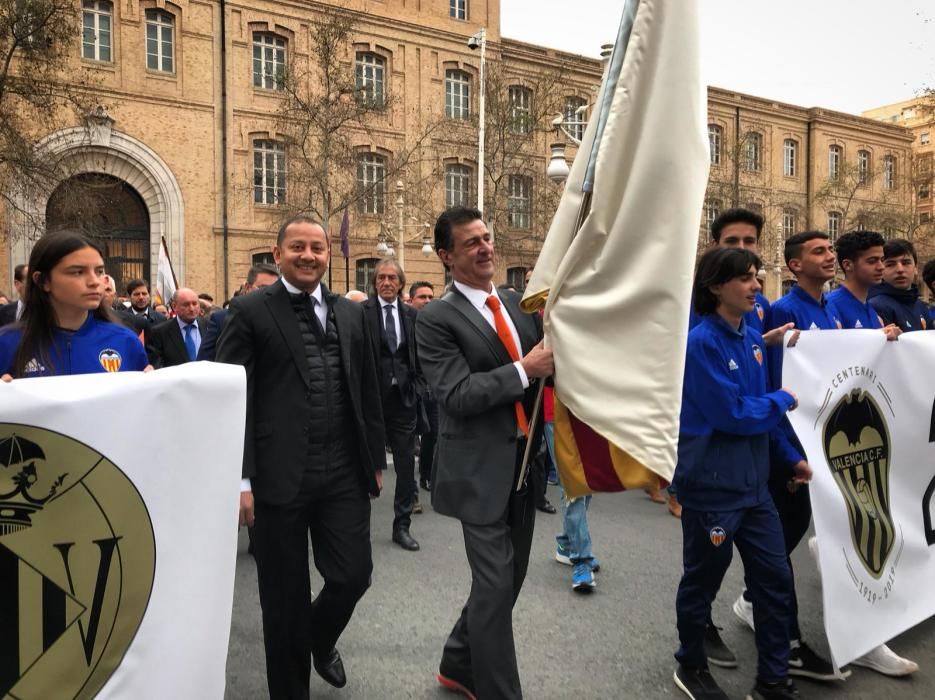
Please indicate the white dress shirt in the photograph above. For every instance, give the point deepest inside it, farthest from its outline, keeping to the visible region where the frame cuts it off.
(478, 298)
(322, 312)
(196, 333)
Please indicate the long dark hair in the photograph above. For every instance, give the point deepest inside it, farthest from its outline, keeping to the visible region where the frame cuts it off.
(717, 266)
(38, 314)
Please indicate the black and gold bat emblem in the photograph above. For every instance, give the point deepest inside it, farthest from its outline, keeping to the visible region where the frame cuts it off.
(857, 447)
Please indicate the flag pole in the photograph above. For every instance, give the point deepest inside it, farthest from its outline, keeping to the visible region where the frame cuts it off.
(587, 187)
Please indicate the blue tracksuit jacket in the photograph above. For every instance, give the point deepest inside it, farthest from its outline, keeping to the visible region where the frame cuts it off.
(852, 312)
(729, 421)
(98, 346)
(900, 306)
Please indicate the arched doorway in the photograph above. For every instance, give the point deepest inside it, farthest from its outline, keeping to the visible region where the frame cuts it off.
(113, 214)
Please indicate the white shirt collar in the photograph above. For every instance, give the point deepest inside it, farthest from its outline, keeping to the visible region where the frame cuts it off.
(184, 324)
(292, 289)
(384, 303)
(478, 297)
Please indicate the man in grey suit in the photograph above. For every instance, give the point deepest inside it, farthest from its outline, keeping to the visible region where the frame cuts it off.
(482, 357)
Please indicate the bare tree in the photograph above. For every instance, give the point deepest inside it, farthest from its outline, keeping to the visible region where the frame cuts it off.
(852, 194)
(330, 110)
(36, 95)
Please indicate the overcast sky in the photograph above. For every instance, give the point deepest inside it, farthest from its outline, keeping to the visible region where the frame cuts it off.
(848, 55)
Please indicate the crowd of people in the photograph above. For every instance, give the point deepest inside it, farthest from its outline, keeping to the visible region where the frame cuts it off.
(447, 382)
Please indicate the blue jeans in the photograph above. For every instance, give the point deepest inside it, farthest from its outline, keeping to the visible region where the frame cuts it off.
(575, 536)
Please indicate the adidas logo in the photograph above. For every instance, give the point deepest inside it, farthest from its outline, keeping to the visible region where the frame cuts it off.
(813, 327)
(732, 364)
(858, 325)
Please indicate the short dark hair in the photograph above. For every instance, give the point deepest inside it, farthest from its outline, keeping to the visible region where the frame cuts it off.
(298, 219)
(19, 272)
(851, 245)
(261, 269)
(399, 273)
(797, 241)
(453, 216)
(206, 297)
(418, 285)
(928, 274)
(717, 266)
(737, 215)
(899, 247)
(136, 284)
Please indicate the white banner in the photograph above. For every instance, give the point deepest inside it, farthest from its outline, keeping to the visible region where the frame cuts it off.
(118, 532)
(867, 422)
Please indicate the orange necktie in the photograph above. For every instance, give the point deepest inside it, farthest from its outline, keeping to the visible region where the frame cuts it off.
(506, 337)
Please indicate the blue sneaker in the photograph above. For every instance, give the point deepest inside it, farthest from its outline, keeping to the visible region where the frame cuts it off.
(563, 554)
(582, 578)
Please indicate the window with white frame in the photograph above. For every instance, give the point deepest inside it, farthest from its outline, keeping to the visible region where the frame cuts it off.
(924, 138)
(924, 190)
(269, 172)
(835, 156)
(457, 94)
(754, 150)
(458, 9)
(519, 201)
(835, 220)
(457, 185)
(269, 60)
(520, 103)
(790, 157)
(712, 209)
(516, 277)
(96, 30)
(863, 167)
(889, 172)
(160, 41)
(371, 174)
(371, 76)
(715, 139)
(790, 219)
(365, 270)
(574, 117)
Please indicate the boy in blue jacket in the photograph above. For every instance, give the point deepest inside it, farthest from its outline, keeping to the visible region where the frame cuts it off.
(896, 299)
(728, 428)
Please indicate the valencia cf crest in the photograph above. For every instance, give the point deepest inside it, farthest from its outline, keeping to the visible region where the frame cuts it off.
(758, 354)
(77, 560)
(758, 307)
(857, 446)
(717, 536)
(110, 360)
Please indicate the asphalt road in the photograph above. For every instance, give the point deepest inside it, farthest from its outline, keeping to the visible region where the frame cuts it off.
(614, 643)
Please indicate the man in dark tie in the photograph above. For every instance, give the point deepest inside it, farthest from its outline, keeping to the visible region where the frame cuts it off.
(482, 357)
(313, 454)
(176, 341)
(138, 291)
(392, 331)
(260, 276)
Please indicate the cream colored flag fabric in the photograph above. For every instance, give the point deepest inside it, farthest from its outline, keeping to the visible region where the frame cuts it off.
(618, 291)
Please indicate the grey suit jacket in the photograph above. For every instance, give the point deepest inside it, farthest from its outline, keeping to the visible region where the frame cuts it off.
(476, 386)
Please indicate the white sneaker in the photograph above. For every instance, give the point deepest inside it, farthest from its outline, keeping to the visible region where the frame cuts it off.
(813, 548)
(884, 660)
(743, 609)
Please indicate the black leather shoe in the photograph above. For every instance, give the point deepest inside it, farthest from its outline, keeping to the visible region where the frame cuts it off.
(331, 669)
(426, 486)
(546, 507)
(405, 540)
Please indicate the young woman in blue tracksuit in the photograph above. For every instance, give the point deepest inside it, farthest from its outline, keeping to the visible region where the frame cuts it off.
(728, 431)
(64, 329)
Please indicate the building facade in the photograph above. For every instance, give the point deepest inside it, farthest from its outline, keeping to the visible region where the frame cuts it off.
(217, 119)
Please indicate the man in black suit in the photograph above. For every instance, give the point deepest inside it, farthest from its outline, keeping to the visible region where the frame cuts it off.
(313, 451)
(138, 291)
(260, 276)
(176, 341)
(10, 313)
(482, 356)
(392, 332)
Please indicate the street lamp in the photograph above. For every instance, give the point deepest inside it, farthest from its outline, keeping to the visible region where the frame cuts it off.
(387, 243)
(479, 41)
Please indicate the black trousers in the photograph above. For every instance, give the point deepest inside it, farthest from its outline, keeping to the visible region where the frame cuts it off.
(400, 424)
(334, 509)
(427, 448)
(481, 644)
